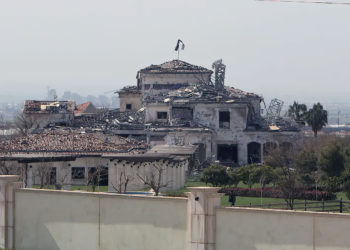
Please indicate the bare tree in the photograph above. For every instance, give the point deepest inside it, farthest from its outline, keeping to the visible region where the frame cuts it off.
(43, 172)
(95, 175)
(24, 123)
(153, 178)
(61, 180)
(122, 185)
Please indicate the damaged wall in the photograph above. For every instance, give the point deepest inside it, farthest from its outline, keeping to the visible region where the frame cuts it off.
(208, 115)
(152, 110)
(154, 84)
(133, 99)
(174, 172)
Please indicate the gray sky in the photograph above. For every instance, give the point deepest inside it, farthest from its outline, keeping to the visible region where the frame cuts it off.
(287, 50)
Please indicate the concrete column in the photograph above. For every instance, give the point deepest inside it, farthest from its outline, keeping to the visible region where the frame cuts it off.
(29, 176)
(182, 174)
(261, 152)
(242, 154)
(112, 176)
(202, 202)
(8, 183)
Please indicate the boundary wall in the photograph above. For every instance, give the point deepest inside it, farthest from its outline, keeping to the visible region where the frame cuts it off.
(49, 219)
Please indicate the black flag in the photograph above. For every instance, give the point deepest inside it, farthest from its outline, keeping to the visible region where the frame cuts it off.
(178, 45)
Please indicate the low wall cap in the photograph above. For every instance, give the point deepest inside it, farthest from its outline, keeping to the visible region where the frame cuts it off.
(204, 189)
(7, 178)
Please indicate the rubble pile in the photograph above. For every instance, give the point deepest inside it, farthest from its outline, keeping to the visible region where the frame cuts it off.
(112, 119)
(203, 92)
(71, 141)
(32, 106)
(177, 66)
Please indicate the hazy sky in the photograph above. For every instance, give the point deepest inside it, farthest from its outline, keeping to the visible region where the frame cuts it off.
(287, 50)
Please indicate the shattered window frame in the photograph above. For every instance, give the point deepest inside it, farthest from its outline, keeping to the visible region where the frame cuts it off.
(224, 119)
(161, 115)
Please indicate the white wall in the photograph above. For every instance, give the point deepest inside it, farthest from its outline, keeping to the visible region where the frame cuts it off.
(152, 110)
(257, 229)
(153, 79)
(130, 98)
(77, 220)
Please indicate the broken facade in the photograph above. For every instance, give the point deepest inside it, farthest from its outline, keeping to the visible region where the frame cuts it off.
(183, 106)
(42, 113)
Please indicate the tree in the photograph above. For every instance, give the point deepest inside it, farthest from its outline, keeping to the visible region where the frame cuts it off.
(297, 111)
(216, 175)
(288, 179)
(347, 189)
(332, 160)
(288, 183)
(247, 176)
(305, 162)
(62, 178)
(122, 184)
(43, 172)
(95, 174)
(234, 177)
(262, 175)
(24, 123)
(153, 179)
(317, 118)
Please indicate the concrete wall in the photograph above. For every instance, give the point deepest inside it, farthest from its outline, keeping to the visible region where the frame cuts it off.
(45, 219)
(208, 115)
(77, 220)
(154, 79)
(174, 174)
(153, 109)
(42, 120)
(256, 229)
(130, 98)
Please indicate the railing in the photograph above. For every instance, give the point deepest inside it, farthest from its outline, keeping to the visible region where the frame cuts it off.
(339, 206)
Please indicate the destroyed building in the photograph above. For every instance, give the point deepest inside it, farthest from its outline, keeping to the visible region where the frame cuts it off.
(41, 113)
(72, 157)
(184, 104)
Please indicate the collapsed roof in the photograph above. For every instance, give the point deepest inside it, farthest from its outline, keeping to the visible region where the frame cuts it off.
(175, 66)
(72, 141)
(204, 93)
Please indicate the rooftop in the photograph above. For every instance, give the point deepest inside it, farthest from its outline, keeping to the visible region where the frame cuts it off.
(59, 141)
(175, 66)
(204, 93)
(129, 89)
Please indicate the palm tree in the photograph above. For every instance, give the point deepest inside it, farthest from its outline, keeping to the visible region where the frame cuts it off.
(317, 118)
(297, 111)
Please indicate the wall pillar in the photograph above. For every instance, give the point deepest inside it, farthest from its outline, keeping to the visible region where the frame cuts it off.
(29, 176)
(242, 154)
(8, 184)
(202, 202)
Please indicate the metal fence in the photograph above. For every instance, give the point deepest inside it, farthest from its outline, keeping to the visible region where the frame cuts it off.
(338, 206)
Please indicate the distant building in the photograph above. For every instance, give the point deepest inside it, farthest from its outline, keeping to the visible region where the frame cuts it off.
(182, 105)
(43, 113)
(85, 109)
(130, 99)
(175, 74)
(69, 157)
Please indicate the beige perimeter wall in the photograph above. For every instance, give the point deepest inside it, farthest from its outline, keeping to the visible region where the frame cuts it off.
(76, 220)
(256, 229)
